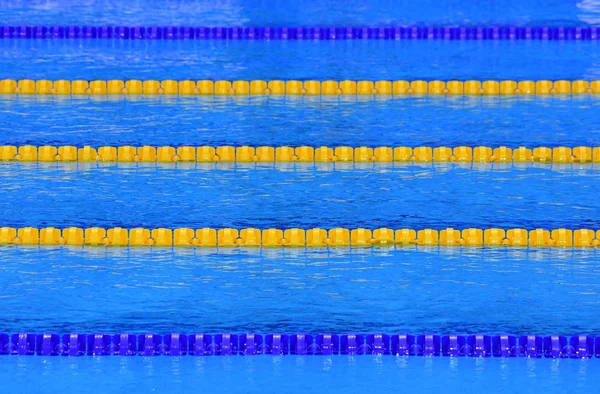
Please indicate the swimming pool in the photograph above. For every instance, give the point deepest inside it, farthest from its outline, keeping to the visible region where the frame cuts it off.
(62, 285)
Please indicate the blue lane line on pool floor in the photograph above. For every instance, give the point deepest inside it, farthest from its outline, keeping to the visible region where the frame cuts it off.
(176, 344)
(301, 33)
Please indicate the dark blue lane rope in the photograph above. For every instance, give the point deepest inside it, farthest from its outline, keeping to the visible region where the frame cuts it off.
(301, 33)
(176, 344)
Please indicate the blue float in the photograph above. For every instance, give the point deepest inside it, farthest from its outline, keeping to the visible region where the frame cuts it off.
(403, 344)
(453, 346)
(352, 344)
(99, 345)
(200, 345)
(73, 345)
(276, 344)
(250, 344)
(125, 345)
(226, 345)
(427, 345)
(504, 346)
(175, 344)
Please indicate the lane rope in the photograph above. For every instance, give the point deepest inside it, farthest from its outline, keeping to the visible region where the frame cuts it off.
(461, 33)
(177, 344)
(301, 154)
(300, 238)
(117, 87)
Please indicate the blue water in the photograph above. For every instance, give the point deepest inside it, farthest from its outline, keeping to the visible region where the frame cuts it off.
(163, 290)
(297, 374)
(256, 121)
(305, 196)
(299, 12)
(338, 60)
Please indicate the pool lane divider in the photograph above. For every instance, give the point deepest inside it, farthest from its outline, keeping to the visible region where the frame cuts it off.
(117, 87)
(177, 344)
(299, 238)
(302, 154)
(461, 33)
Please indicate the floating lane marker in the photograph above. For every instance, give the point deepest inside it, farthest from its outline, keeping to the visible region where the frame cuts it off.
(546, 33)
(250, 344)
(117, 87)
(300, 238)
(301, 154)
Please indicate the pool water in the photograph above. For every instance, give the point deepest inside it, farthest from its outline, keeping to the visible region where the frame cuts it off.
(418, 290)
(298, 374)
(274, 121)
(300, 195)
(299, 12)
(320, 60)
(394, 290)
